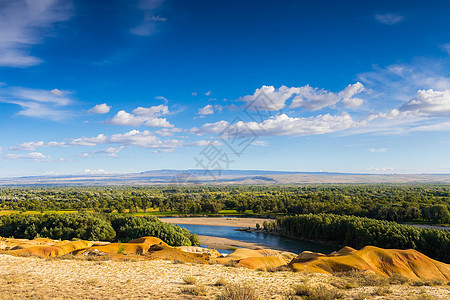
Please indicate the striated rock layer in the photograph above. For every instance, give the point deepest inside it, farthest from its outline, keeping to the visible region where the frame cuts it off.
(386, 262)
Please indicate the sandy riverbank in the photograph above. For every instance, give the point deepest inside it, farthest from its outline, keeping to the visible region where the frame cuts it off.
(217, 221)
(227, 244)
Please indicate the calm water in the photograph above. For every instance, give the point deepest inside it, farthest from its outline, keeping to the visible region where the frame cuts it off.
(290, 245)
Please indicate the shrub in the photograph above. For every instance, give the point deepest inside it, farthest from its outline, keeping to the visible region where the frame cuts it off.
(316, 292)
(238, 292)
(398, 279)
(189, 279)
(220, 282)
(232, 263)
(194, 290)
(382, 291)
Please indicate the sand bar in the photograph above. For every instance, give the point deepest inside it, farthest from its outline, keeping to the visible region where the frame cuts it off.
(227, 244)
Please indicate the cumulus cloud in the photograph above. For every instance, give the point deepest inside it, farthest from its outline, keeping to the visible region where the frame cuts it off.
(100, 109)
(149, 116)
(313, 99)
(47, 104)
(284, 125)
(269, 98)
(24, 23)
(308, 98)
(389, 19)
(429, 103)
(207, 110)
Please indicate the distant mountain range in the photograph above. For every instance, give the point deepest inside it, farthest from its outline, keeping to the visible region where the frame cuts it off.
(222, 177)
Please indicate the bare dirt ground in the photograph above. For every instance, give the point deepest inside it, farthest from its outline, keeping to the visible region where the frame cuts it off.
(34, 278)
(217, 221)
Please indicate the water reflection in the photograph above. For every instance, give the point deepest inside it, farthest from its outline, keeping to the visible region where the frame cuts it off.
(288, 244)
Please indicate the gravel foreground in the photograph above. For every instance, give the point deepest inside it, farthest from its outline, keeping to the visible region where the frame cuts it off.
(28, 277)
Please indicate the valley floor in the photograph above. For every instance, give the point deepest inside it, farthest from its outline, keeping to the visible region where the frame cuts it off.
(29, 277)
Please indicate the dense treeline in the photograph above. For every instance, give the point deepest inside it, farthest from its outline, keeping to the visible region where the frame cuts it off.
(400, 203)
(94, 227)
(358, 232)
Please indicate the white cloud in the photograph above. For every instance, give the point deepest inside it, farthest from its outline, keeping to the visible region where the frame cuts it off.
(284, 125)
(446, 48)
(95, 172)
(389, 19)
(142, 115)
(306, 97)
(100, 109)
(269, 98)
(168, 131)
(37, 103)
(194, 93)
(313, 99)
(34, 156)
(429, 103)
(377, 150)
(260, 143)
(110, 151)
(208, 93)
(24, 23)
(207, 110)
(152, 112)
(148, 25)
(400, 82)
(89, 141)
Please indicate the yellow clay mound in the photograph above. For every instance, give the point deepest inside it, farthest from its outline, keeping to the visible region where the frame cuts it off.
(409, 263)
(262, 262)
(149, 240)
(57, 249)
(121, 248)
(257, 259)
(164, 252)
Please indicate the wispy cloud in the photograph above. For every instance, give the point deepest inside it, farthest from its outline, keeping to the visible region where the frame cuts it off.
(47, 104)
(390, 18)
(378, 150)
(24, 23)
(34, 156)
(149, 23)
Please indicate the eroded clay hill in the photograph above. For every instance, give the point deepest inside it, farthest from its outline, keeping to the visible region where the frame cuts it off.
(386, 262)
(409, 263)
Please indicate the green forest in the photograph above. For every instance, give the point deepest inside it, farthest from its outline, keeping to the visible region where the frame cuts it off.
(400, 203)
(93, 227)
(358, 232)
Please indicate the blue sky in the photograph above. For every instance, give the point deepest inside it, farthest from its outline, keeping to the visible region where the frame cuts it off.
(92, 87)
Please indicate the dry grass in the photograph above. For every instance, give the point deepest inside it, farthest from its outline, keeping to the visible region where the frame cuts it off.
(316, 292)
(33, 278)
(220, 282)
(232, 263)
(382, 291)
(238, 292)
(398, 279)
(359, 278)
(189, 280)
(194, 290)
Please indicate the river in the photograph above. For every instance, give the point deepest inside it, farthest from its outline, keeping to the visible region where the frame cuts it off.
(287, 244)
